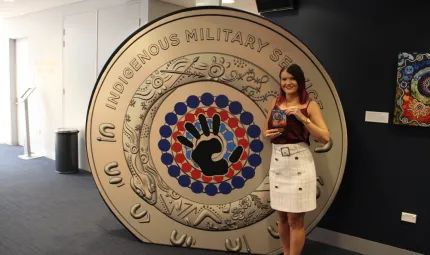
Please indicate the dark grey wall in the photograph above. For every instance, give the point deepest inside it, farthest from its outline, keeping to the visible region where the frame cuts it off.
(388, 166)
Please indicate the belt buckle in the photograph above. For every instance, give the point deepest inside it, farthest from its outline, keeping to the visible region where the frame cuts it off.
(285, 153)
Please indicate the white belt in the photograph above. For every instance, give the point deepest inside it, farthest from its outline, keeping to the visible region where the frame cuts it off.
(290, 149)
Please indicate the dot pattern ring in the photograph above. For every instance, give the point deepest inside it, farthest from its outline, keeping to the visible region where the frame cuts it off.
(228, 135)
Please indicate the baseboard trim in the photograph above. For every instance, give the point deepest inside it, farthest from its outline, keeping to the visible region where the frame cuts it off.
(355, 244)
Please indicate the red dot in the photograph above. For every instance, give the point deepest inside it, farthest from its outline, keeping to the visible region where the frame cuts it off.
(219, 178)
(237, 166)
(196, 174)
(244, 143)
(211, 111)
(176, 147)
(181, 125)
(232, 122)
(199, 111)
(206, 179)
(223, 115)
(244, 155)
(175, 135)
(180, 158)
(190, 117)
(186, 167)
(230, 173)
(239, 132)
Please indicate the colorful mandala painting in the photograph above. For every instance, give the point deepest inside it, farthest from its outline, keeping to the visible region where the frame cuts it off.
(413, 90)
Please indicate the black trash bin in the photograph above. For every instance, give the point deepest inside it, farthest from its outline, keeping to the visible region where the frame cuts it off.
(66, 151)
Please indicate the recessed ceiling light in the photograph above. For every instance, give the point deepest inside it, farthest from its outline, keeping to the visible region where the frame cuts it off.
(228, 1)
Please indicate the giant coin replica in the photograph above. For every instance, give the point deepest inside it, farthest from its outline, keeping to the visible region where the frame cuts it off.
(174, 130)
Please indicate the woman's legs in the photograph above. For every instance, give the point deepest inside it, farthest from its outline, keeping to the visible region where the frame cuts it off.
(284, 232)
(297, 233)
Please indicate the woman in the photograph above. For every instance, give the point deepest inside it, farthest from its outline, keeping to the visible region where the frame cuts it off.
(292, 169)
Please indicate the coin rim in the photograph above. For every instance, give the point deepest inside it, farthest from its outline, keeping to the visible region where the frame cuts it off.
(300, 46)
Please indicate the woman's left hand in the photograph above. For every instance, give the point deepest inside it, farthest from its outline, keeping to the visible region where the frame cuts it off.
(294, 110)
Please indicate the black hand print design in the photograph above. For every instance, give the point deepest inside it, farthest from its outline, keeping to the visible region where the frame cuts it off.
(207, 146)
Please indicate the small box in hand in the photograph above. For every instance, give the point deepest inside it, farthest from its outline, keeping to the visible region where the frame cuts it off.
(279, 119)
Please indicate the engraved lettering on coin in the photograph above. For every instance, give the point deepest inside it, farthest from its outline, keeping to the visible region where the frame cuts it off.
(183, 239)
(107, 136)
(111, 170)
(174, 130)
(233, 246)
(320, 184)
(248, 248)
(274, 233)
(139, 215)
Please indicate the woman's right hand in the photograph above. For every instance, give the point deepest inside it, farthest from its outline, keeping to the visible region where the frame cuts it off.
(272, 133)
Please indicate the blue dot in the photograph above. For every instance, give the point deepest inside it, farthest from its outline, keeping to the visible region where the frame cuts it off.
(254, 160)
(207, 99)
(184, 181)
(235, 107)
(193, 101)
(225, 188)
(222, 128)
(227, 155)
(231, 146)
(174, 171)
(228, 136)
(246, 118)
(221, 101)
(209, 123)
(164, 145)
(171, 118)
(167, 158)
(180, 108)
(238, 182)
(165, 131)
(188, 154)
(211, 189)
(197, 187)
(197, 125)
(256, 146)
(254, 131)
(248, 172)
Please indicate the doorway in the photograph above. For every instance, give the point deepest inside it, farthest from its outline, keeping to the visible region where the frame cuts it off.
(20, 80)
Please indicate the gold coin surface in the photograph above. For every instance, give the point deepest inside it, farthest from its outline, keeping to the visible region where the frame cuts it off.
(174, 130)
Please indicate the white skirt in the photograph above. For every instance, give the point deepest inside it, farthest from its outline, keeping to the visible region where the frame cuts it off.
(293, 183)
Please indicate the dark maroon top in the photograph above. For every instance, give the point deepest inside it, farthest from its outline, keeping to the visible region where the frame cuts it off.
(295, 132)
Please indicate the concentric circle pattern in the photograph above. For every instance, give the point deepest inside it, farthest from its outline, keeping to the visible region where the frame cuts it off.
(236, 129)
(174, 129)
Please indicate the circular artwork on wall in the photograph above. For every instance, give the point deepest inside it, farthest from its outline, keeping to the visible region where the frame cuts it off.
(174, 130)
(413, 90)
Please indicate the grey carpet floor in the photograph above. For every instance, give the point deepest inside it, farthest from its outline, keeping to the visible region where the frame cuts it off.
(42, 212)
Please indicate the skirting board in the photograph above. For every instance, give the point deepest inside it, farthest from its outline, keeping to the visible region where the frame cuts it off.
(355, 244)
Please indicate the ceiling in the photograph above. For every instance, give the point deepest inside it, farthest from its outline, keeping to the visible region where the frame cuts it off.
(246, 5)
(21, 7)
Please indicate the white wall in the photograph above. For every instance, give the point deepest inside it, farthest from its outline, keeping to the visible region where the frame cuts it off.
(158, 8)
(5, 102)
(4, 87)
(44, 31)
